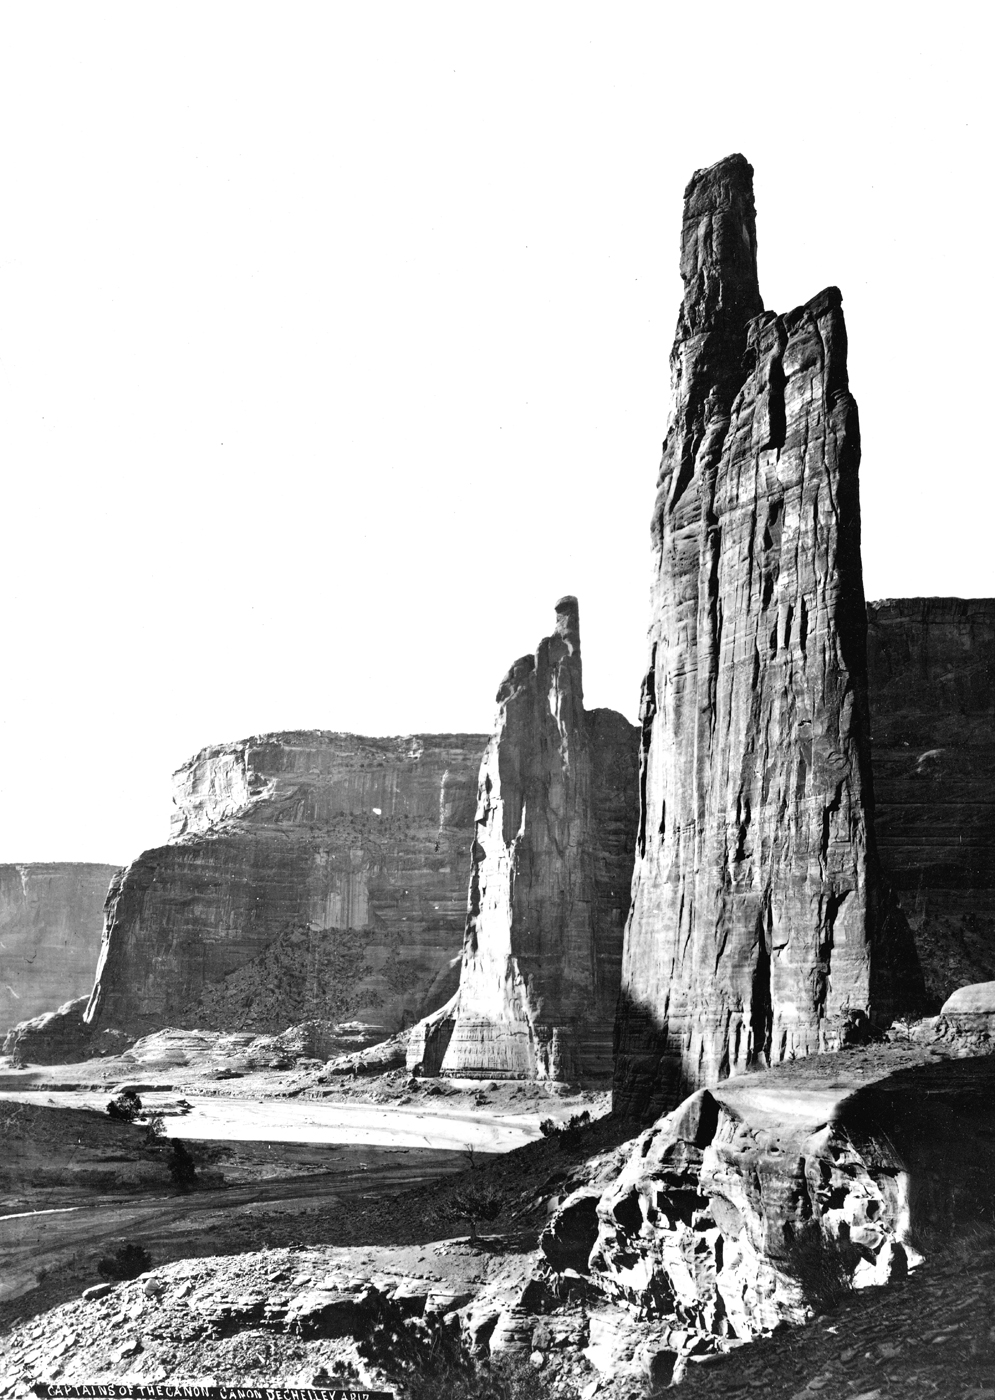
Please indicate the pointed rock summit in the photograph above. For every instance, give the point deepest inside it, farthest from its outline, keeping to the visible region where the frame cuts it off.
(760, 929)
(549, 885)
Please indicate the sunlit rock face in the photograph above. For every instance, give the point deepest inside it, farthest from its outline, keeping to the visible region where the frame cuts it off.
(931, 670)
(757, 1201)
(549, 886)
(310, 876)
(51, 916)
(759, 928)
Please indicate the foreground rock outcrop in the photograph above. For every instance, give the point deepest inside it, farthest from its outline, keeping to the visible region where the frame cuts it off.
(769, 1196)
(931, 672)
(51, 916)
(549, 886)
(311, 876)
(760, 929)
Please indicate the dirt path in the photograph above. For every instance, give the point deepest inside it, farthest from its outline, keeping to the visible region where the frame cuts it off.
(34, 1244)
(400, 1146)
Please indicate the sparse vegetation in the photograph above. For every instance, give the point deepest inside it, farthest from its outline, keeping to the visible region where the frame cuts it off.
(128, 1261)
(155, 1128)
(181, 1167)
(126, 1107)
(473, 1204)
(823, 1265)
(514, 1378)
(565, 1134)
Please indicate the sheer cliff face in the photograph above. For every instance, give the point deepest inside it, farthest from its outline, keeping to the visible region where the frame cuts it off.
(311, 875)
(931, 668)
(755, 897)
(50, 921)
(549, 888)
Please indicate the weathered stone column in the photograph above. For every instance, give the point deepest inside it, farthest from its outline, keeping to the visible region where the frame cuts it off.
(549, 887)
(759, 928)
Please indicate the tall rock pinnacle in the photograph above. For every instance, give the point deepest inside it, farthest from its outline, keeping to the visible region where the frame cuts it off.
(549, 886)
(759, 924)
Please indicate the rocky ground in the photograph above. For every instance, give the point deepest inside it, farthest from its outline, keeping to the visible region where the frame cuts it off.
(932, 1335)
(290, 1316)
(372, 1283)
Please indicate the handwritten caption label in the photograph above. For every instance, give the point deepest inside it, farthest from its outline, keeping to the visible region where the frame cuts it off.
(52, 1390)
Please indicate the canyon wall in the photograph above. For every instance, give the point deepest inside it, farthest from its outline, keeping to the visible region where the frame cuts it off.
(931, 672)
(759, 929)
(309, 876)
(550, 879)
(51, 916)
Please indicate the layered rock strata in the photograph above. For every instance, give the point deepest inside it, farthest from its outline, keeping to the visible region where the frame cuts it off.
(751, 1201)
(931, 671)
(549, 885)
(51, 917)
(758, 929)
(310, 876)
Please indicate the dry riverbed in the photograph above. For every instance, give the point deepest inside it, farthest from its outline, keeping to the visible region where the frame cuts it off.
(272, 1169)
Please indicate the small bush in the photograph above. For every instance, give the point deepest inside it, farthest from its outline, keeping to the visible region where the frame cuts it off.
(473, 1204)
(126, 1107)
(823, 1265)
(155, 1129)
(182, 1168)
(565, 1133)
(128, 1261)
(511, 1378)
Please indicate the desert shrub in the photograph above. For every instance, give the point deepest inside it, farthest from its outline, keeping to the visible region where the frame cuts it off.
(823, 1265)
(511, 1378)
(473, 1204)
(155, 1128)
(182, 1167)
(565, 1133)
(126, 1107)
(126, 1262)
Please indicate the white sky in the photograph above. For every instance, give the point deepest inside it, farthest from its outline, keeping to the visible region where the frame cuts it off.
(334, 338)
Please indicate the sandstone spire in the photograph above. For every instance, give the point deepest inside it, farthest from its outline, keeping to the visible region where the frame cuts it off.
(758, 925)
(549, 886)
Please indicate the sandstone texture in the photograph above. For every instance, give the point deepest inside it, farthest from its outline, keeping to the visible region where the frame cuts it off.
(61, 1036)
(345, 1320)
(759, 929)
(51, 916)
(976, 1000)
(310, 876)
(549, 885)
(752, 1202)
(931, 672)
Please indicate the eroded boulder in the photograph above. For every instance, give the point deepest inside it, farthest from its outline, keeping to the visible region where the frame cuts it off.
(770, 1196)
